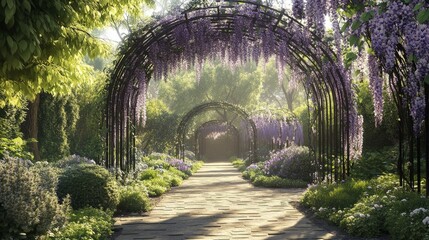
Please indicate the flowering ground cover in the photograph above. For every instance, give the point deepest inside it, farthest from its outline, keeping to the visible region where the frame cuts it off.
(76, 199)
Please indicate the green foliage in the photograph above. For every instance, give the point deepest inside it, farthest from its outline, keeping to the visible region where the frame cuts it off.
(239, 163)
(28, 203)
(277, 182)
(149, 174)
(257, 177)
(89, 185)
(43, 43)
(87, 224)
(11, 139)
(375, 138)
(373, 208)
(133, 199)
(374, 164)
(57, 122)
(405, 218)
(196, 166)
(156, 187)
(158, 135)
(241, 86)
(339, 196)
(14, 147)
(87, 139)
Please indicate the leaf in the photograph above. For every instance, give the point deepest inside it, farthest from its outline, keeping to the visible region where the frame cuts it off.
(27, 5)
(345, 26)
(25, 55)
(351, 56)
(427, 79)
(423, 16)
(9, 13)
(417, 7)
(356, 24)
(23, 45)
(353, 40)
(366, 16)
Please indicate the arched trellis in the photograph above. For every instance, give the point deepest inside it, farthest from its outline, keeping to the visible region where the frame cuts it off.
(228, 29)
(198, 132)
(184, 124)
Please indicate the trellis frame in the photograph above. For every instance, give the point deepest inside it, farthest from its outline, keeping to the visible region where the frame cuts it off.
(328, 88)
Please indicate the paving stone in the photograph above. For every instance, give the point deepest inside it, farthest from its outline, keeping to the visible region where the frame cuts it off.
(216, 203)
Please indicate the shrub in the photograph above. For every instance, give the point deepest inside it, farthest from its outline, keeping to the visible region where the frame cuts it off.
(149, 174)
(340, 196)
(73, 160)
(156, 187)
(196, 166)
(239, 163)
(27, 204)
(278, 182)
(293, 162)
(133, 199)
(365, 218)
(172, 178)
(408, 217)
(87, 224)
(89, 186)
(180, 165)
(374, 164)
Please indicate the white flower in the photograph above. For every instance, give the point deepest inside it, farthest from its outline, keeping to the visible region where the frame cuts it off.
(417, 211)
(404, 200)
(426, 221)
(403, 214)
(321, 209)
(369, 187)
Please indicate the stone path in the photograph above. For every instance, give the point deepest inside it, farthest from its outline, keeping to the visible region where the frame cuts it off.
(216, 203)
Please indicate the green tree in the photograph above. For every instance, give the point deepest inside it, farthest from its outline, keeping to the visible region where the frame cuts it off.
(43, 43)
(43, 46)
(241, 86)
(158, 135)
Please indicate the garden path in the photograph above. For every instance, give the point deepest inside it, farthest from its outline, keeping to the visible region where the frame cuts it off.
(216, 203)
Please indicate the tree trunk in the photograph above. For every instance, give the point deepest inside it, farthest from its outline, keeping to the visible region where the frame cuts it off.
(31, 128)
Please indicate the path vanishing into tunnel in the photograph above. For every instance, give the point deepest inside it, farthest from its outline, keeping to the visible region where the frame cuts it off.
(216, 203)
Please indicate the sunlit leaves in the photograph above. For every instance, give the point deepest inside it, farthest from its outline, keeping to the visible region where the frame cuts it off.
(43, 43)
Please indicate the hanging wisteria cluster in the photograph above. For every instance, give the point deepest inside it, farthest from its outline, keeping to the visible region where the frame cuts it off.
(399, 38)
(276, 133)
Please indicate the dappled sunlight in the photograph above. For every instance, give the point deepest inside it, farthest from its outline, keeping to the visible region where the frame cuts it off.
(216, 203)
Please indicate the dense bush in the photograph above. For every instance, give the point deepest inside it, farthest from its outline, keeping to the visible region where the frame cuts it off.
(372, 208)
(28, 203)
(89, 185)
(256, 175)
(340, 196)
(293, 162)
(73, 160)
(87, 224)
(57, 122)
(134, 199)
(374, 164)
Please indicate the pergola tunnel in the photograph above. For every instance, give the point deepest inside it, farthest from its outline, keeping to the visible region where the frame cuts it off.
(243, 31)
(240, 117)
(216, 141)
(237, 32)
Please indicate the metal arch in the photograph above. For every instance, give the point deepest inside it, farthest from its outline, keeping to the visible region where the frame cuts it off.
(187, 120)
(213, 122)
(329, 92)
